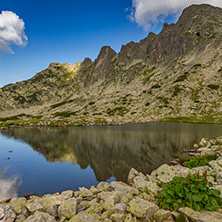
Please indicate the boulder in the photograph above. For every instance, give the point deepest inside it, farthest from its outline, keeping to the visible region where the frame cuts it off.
(96, 208)
(2, 212)
(142, 208)
(67, 194)
(83, 192)
(52, 210)
(120, 207)
(20, 218)
(126, 198)
(130, 218)
(132, 174)
(40, 217)
(51, 200)
(161, 215)
(203, 216)
(34, 206)
(68, 208)
(83, 217)
(117, 217)
(8, 215)
(122, 187)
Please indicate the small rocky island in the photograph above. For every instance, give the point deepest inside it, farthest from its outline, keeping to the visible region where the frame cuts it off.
(134, 201)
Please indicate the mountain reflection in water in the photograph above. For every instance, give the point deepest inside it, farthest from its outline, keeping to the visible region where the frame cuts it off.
(112, 151)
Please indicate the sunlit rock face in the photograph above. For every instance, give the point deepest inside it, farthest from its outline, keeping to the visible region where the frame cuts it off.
(9, 186)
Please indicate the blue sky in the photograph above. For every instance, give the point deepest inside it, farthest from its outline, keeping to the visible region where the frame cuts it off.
(68, 31)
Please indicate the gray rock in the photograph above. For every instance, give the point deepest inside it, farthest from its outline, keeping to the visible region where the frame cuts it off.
(122, 187)
(83, 192)
(50, 200)
(40, 217)
(20, 218)
(67, 194)
(94, 190)
(120, 207)
(102, 186)
(34, 206)
(94, 209)
(132, 174)
(93, 201)
(68, 208)
(118, 217)
(2, 213)
(203, 216)
(126, 198)
(82, 206)
(52, 210)
(142, 208)
(130, 218)
(161, 215)
(9, 215)
(83, 217)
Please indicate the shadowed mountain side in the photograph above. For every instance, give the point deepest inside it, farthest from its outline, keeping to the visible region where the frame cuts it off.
(172, 76)
(113, 151)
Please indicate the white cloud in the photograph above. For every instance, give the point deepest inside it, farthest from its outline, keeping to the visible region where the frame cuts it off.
(12, 31)
(149, 12)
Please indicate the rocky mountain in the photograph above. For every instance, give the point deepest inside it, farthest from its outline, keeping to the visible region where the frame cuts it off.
(173, 76)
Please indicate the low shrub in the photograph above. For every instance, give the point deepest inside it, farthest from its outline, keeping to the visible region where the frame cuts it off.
(198, 161)
(193, 191)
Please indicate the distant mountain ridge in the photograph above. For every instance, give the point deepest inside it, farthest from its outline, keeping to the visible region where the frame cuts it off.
(173, 76)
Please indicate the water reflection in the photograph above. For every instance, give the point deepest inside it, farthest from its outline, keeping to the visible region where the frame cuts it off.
(113, 151)
(8, 185)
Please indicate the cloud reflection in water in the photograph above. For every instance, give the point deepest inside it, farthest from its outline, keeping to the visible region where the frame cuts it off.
(8, 185)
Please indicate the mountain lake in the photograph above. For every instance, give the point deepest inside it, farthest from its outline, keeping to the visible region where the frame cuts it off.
(49, 160)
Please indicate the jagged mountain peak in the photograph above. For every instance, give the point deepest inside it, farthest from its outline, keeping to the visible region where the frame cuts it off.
(173, 74)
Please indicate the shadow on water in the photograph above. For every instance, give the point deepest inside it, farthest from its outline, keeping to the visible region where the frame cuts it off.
(112, 151)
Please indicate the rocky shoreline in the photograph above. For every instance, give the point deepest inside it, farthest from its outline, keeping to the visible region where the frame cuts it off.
(118, 201)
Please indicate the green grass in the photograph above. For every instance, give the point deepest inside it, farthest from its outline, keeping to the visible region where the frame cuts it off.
(61, 103)
(182, 77)
(193, 119)
(164, 100)
(91, 103)
(197, 66)
(213, 86)
(156, 86)
(16, 117)
(176, 90)
(149, 74)
(62, 114)
(120, 111)
(198, 161)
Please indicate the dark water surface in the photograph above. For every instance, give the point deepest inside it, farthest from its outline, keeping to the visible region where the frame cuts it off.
(49, 160)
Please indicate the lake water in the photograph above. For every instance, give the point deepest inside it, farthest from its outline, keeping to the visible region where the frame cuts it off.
(49, 160)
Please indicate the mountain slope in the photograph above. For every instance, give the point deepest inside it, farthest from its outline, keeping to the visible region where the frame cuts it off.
(175, 75)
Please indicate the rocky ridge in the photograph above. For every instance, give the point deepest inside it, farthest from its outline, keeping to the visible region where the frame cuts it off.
(172, 76)
(118, 201)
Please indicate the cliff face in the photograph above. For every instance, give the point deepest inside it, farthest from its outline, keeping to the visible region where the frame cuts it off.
(175, 75)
